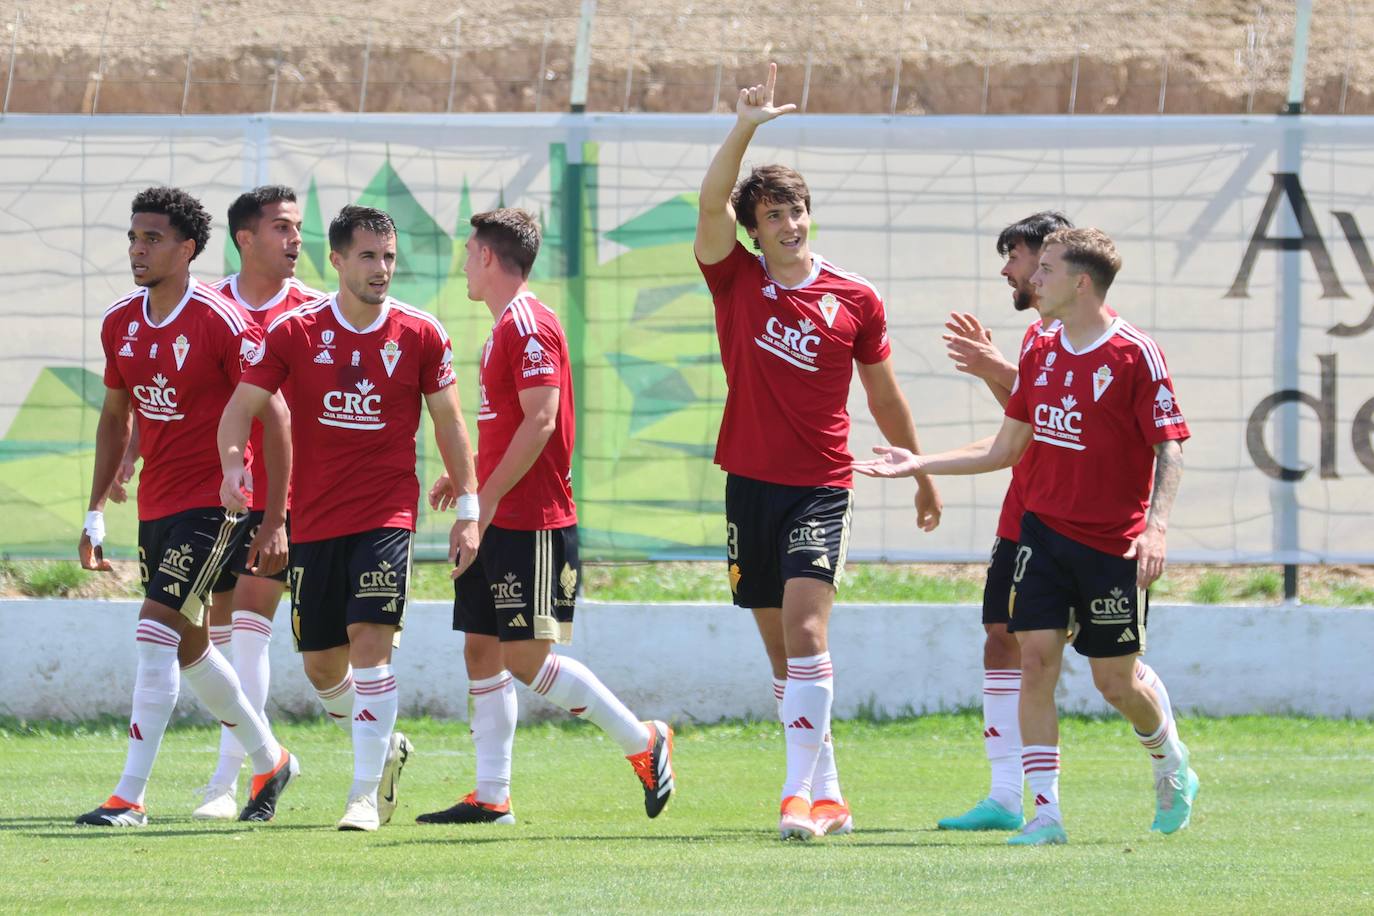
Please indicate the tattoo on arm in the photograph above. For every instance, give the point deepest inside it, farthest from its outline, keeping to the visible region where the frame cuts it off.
(1168, 474)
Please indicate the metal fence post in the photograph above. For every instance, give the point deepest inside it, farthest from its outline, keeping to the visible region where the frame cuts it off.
(100, 61)
(1297, 68)
(629, 65)
(453, 65)
(14, 49)
(367, 65)
(582, 57)
(190, 56)
(543, 63)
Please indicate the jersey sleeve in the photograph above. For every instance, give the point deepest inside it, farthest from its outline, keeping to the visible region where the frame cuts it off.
(1029, 337)
(245, 350)
(274, 355)
(113, 378)
(871, 344)
(436, 359)
(721, 275)
(535, 360)
(1157, 412)
(1016, 404)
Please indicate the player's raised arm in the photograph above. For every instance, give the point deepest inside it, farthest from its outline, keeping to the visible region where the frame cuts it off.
(111, 439)
(455, 448)
(715, 215)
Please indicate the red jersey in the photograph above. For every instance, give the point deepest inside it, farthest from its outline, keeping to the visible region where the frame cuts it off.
(527, 349)
(180, 375)
(292, 294)
(354, 397)
(1013, 505)
(788, 354)
(1095, 417)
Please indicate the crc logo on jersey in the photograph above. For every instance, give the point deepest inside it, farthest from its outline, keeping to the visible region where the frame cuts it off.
(508, 592)
(795, 345)
(1166, 408)
(1114, 609)
(356, 409)
(158, 401)
(536, 360)
(382, 582)
(1062, 426)
(809, 535)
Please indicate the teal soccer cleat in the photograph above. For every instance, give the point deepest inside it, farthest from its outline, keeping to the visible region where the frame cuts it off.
(986, 815)
(1174, 799)
(1041, 832)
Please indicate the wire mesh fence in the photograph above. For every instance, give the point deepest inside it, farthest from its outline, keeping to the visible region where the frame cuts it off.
(850, 56)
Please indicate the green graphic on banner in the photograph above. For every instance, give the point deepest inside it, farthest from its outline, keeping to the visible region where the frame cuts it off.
(647, 377)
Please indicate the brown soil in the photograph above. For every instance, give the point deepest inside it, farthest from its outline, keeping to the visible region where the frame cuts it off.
(971, 56)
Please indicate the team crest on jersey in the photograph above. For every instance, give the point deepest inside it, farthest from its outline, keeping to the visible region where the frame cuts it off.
(391, 354)
(180, 348)
(536, 361)
(829, 306)
(327, 338)
(1101, 379)
(1166, 408)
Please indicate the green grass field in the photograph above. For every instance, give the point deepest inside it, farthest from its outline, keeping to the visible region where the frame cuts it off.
(1284, 823)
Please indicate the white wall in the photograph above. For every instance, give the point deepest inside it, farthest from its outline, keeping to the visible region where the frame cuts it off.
(76, 659)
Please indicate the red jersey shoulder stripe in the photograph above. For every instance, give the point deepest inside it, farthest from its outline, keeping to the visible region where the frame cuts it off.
(121, 303)
(1153, 358)
(221, 306)
(309, 291)
(847, 275)
(413, 312)
(523, 315)
(300, 311)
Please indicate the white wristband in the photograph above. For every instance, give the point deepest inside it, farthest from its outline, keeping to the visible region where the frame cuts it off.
(468, 508)
(95, 527)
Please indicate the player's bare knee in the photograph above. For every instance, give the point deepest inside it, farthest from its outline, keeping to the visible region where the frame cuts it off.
(482, 656)
(326, 668)
(524, 658)
(1115, 684)
(1001, 651)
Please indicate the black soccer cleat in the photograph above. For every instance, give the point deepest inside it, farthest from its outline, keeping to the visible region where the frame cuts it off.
(471, 811)
(654, 767)
(267, 789)
(116, 812)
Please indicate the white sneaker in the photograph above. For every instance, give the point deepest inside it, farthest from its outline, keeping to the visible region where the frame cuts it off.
(396, 756)
(218, 804)
(361, 814)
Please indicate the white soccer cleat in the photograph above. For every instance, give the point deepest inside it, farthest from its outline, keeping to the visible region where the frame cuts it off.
(397, 754)
(361, 814)
(218, 804)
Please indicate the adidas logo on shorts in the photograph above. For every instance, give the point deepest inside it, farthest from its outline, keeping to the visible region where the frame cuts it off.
(1127, 635)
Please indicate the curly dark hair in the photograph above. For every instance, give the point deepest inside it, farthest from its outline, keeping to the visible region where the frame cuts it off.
(186, 214)
(246, 210)
(353, 217)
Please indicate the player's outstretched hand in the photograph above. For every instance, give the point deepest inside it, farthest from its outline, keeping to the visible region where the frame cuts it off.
(893, 462)
(443, 495)
(463, 540)
(929, 508)
(755, 104)
(269, 551)
(969, 345)
(1148, 552)
(235, 490)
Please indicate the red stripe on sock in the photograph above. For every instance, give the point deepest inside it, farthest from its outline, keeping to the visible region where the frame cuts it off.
(481, 691)
(550, 675)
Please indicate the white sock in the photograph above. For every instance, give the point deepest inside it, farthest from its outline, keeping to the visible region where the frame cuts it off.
(1166, 755)
(826, 777)
(568, 683)
(1152, 680)
(494, 710)
(374, 719)
(1002, 735)
(338, 702)
(250, 639)
(155, 694)
(806, 703)
(221, 637)
(216, 685)
(1041, 763)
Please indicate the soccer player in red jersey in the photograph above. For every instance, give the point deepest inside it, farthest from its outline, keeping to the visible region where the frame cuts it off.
(174, 349)
(792, 326)
(970, 346)
(265, 226)
(354, 368)
(517, 600)
(1094, 411)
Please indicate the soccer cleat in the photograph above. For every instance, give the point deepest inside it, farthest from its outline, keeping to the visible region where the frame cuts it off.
(831, 817)
(268, 787)
(116, 812)
(986, 815)
(218, 803)
(796, 823)
(471, 811)
(654, 767)
(1174, 798)
(396, 756)
(1043, 831)
(361, 814)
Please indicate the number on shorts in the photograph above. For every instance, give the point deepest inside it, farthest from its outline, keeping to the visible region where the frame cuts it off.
(294, 580)
(732, 540)
(1023, 555)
